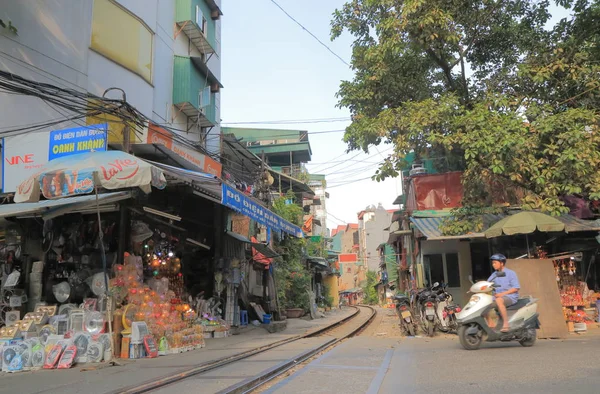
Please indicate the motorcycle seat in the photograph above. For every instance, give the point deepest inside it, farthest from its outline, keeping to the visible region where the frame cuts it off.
(400, 297)
(519, 304)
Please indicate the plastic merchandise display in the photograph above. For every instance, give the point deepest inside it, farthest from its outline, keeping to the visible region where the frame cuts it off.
(62, 291)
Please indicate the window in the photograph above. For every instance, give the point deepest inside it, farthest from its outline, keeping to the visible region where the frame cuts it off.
(442, 268)
(434, 266)
(122, 38)
(200, 20)
(205, 97)
(452, 270)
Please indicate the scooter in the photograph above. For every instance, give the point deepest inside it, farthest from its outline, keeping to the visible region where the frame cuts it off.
(427, 304)
(446, 311)
(404, 313)
(523, 319)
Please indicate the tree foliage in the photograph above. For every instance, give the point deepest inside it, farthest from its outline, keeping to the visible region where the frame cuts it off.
(292, 279)
(369, 291)
(483, 87)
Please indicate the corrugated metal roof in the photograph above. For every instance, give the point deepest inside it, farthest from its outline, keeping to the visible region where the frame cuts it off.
(429, 227)
(574, 224)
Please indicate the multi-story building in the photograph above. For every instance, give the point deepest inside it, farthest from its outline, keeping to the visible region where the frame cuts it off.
(285, 151)
(318, 208)
(164, 55)
(372, 225)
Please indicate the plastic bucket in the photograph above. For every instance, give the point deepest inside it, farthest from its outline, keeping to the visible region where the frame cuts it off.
(266, 319)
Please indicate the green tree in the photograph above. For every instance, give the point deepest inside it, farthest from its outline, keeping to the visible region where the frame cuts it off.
(524, 117)
(369, 291)
(292, 279)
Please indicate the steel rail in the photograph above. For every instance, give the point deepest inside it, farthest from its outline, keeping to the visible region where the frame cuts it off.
(252, 383)
(205, 367)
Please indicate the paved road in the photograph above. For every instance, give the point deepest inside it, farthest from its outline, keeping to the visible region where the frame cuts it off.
(417, 365)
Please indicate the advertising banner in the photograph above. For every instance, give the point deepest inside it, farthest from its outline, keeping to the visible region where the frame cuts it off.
(22, 156)
(239, 202)
(27, 154)
(159, 135)
(77, 140)
(66, 183)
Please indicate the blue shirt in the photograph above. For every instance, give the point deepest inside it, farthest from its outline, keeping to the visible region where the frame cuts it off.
(510, 281)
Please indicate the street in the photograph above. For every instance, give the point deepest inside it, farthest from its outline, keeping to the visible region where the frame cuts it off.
(378, 360)
(383, 364)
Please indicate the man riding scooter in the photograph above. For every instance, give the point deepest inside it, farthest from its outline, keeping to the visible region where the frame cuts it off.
(507, 292)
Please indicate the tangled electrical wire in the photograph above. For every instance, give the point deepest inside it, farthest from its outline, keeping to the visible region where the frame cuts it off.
(82, 105)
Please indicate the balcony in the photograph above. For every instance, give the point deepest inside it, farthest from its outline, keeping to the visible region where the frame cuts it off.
(194, 92)
(196, 18)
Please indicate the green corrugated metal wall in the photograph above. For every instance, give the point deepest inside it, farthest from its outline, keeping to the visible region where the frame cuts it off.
(188, 81)
(390, 264)
(185, 10)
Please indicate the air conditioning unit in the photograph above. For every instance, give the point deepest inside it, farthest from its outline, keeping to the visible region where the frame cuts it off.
(215, 88)
(417, 169)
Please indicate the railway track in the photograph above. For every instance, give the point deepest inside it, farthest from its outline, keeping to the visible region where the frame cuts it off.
(292, 351)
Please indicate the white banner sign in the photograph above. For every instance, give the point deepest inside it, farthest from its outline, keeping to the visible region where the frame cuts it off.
(23, 156)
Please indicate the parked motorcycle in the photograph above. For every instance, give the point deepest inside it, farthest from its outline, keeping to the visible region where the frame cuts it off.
(404, 313)
(446, 310)
(523, 319)
(427, 305)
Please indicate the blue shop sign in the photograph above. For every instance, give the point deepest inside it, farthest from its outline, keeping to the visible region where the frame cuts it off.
(237, 201)
(77, 140)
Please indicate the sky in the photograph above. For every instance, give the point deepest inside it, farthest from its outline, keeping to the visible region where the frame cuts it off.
(274, 70)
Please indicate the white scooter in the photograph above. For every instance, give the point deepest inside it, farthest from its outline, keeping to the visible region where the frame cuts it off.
(523, 319)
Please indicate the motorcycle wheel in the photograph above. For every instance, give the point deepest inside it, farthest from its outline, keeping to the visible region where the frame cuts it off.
(445, 328)
(411, 330)
(430, 328)
(530, 341)
(469, 342)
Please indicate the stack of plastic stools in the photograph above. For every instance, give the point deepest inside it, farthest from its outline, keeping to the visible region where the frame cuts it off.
(243, 318)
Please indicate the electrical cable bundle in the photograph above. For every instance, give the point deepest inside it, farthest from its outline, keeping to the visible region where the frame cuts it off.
(81, 105)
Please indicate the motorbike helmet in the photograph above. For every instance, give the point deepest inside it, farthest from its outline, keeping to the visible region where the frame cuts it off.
(498, 257)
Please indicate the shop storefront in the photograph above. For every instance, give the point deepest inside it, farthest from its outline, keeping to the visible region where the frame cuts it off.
(88, 278)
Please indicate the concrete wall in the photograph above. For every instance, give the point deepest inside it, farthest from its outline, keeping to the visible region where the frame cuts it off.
(53, 46)
(346, 280)
(348, 239)
(373, 234)
(463, 250)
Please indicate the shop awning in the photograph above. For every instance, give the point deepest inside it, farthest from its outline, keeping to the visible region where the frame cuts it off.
(263, 249)
(319, 263)
(288, 182)
(53, 208)
(574, 224)
(354, 290)
(394, 235)
(248, 206)
(205, 185)
(429, 227)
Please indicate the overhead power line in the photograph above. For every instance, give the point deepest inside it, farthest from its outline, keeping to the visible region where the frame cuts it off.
(292, 121)
(308, 31)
